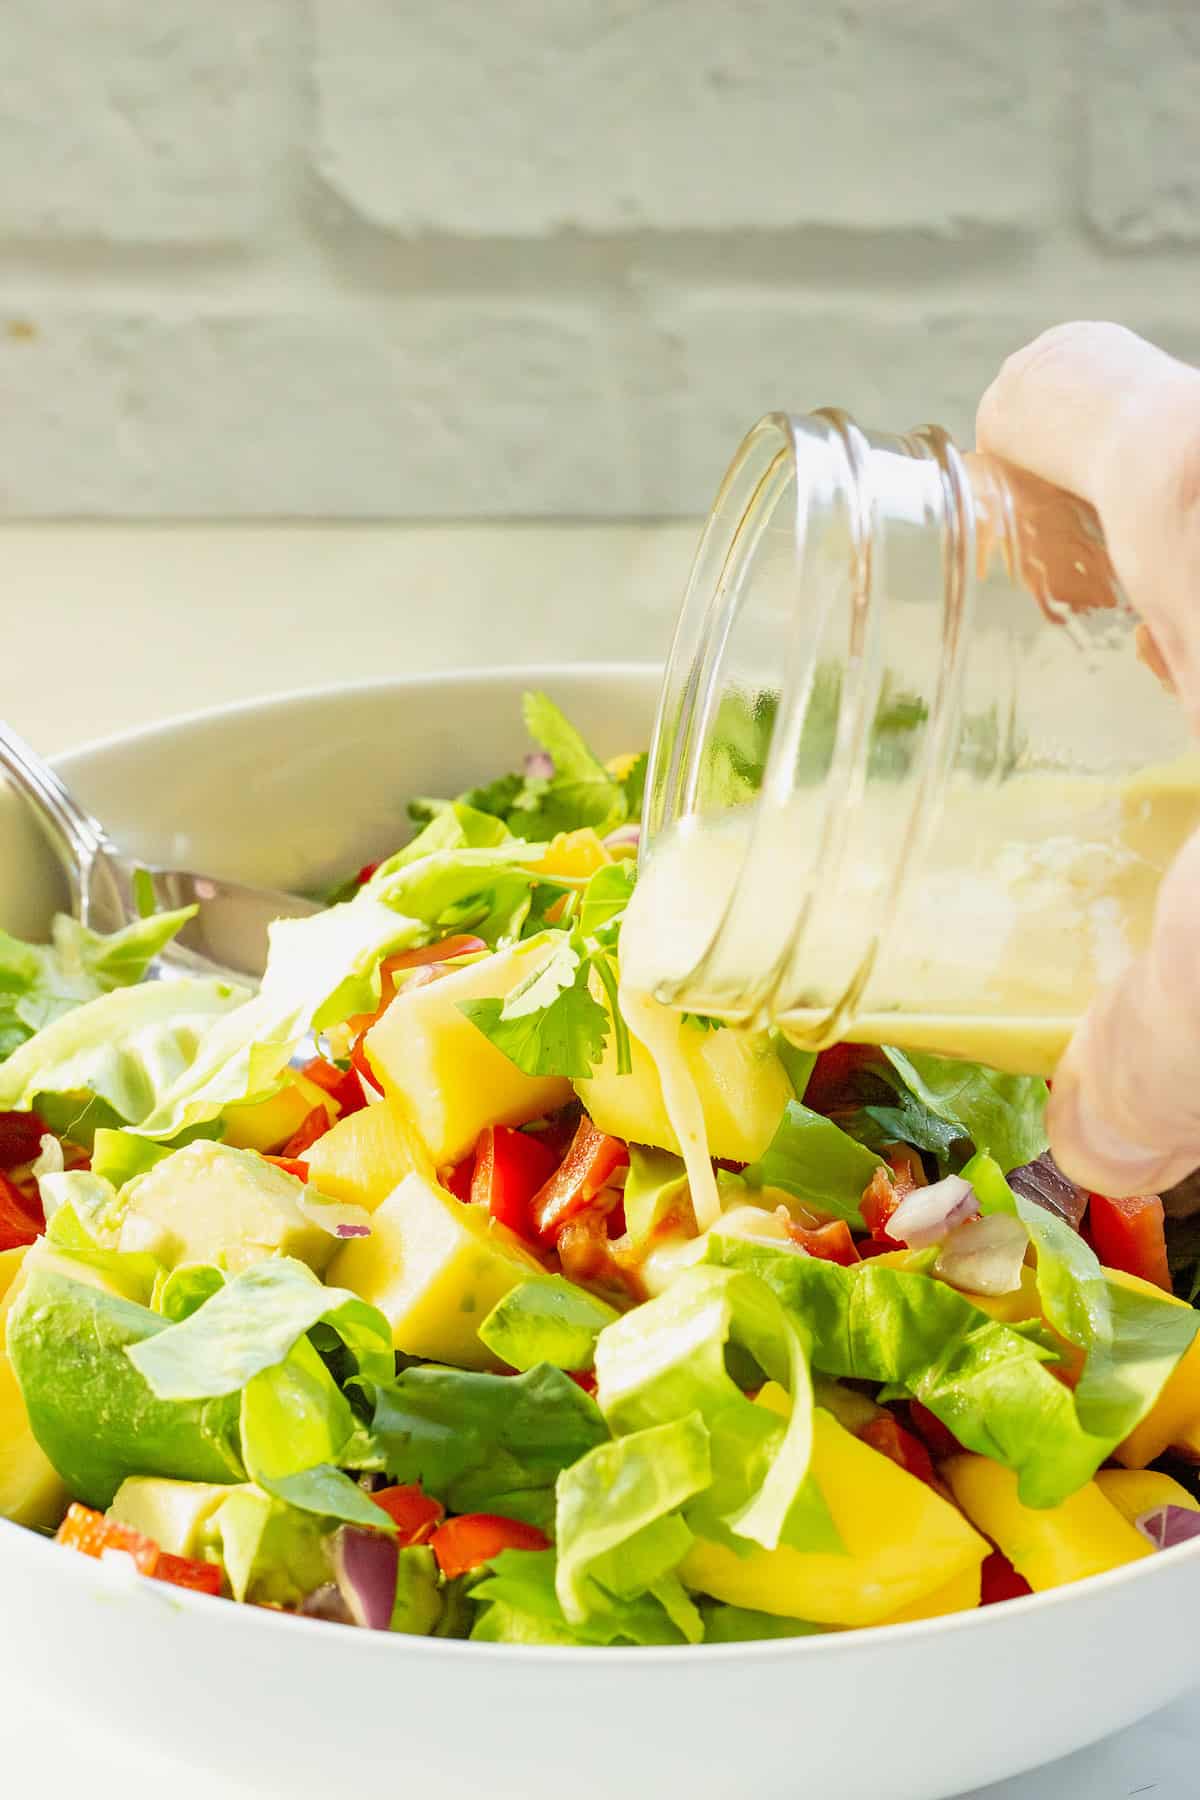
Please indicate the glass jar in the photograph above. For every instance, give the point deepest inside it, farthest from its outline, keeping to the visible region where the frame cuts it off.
(911, 781)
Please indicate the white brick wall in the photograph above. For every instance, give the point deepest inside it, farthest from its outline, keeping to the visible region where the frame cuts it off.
(385, 259)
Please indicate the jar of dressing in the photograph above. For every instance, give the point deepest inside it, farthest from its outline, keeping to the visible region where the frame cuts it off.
(911, 780)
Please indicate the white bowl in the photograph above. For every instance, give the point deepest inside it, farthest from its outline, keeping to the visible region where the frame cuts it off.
(297, 790)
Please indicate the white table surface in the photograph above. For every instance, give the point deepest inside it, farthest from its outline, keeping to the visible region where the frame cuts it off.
(113, 626)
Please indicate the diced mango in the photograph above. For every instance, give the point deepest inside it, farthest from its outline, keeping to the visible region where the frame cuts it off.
(1049, 1546)
(573, 854)
(30, 1489)
(741, 1083)
(270, 1123)
(173, 1513)
(448, 1078)
(961, 1594)
(363, 1157)
(1010, 1309)
(435, 1268)
(622, 767)
(903, 1544)
(1137, 1491)
(1174, 1419)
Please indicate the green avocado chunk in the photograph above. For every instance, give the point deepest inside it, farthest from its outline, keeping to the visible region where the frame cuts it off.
(89, 1409)
(418, 1604)
(210, 1203)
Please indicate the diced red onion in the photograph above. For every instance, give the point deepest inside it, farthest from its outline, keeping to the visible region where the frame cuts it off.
(625, 837)
(985, 1256)
(929, 1214)
(1169, 1525)
(340, 1218)
(1043, 1182)
(365, 1564)
(539, 766)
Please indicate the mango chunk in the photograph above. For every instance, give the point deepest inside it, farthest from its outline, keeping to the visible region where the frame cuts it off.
(903, 1543)
(173, 1513)
(1174, 1419)
(447, 1077)
(435, 1268)
(362, 1157)
(268, 1124)
(742, 1085)
(574, 854)
(1011, 1309)
(1137, 1491)
(1049, 1546)
(961, 1594)
(31, 1492)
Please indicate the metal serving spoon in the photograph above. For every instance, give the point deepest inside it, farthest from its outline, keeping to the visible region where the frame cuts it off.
(228, 934)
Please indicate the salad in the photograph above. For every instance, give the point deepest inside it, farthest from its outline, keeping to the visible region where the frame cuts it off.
(378, 1294)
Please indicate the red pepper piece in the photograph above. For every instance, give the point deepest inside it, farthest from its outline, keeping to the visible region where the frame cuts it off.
(19, 1224)
(342, 1085)
(187, 1572)
(92, 1534)
(1000, 1580)
(21, 1135)
(888, 1436)
(291, 1165)
(314, 1126)
(1130, 1235)
(415, 1514)
(831, 1243)
(473, 1538)
(510, 1168)
(591, 1159)
(938, 1439)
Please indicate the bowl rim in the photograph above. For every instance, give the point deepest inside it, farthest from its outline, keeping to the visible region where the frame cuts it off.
(23, 1540)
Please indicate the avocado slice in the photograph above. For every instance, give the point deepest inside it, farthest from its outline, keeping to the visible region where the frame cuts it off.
(418, 1604)
(435, 1267)
(173, 1513)
(91, 1412)
(211, 1203)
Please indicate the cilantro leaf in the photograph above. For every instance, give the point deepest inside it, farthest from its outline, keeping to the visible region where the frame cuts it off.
(581, 792)
(550, 1024)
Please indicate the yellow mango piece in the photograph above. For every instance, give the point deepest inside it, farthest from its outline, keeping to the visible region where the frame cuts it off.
(31, 1492)
(961, 1594)
(1049, 1546)
(270, 1123)
(903, 1544)
(621, 767)
(740, 1081)
(435, 1268)
(1174, 1419)
(1010, 1309)
(362, 1157)
(573, 854)
(173, 1513)
(447, 1078)
(1137, 1491)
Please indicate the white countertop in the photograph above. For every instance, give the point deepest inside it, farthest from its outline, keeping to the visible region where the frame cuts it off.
(120, 625)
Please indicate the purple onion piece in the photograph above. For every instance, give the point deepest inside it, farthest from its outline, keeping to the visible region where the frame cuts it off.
(366, 1566)
(539, 766)
(352, 1231)
(625, 837)
(1043, 1182)
(1169, 1525)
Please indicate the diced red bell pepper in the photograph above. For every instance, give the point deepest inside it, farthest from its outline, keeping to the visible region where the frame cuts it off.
(21, 1135)
(880, 1199)
(365, 873)
(1131, 1235)
(291, 1165)
(457, 1179)
(415, 1514)
(18, 1222)
(421, 957)
(1000, 1581)
(591, 1159)
(831, 1243)
(187, 1572)
(831, 1083)
(342, 1085)
(888, 1436)
(583, 1378)
(938, 1439)
(473, 1538)
(314, 1125)
(510, 1168)
(92, 1534)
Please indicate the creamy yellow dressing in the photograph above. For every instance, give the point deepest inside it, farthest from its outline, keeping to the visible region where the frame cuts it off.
(1030, 895)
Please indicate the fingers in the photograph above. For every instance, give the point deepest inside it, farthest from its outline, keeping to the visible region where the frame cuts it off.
(1095, 409)
(1124, 1113)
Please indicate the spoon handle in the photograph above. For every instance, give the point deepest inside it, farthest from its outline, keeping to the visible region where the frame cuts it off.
(76, 838)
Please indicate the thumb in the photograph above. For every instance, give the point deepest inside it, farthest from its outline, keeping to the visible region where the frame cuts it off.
(1124, 1113)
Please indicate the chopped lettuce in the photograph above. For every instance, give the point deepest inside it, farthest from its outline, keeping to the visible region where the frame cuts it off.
(252, 1324)
(813, 1159)
(742, 1624)
(546, 1320)
(485, 1443)
(1004, 1115)
(519, 1604)
(41, 982)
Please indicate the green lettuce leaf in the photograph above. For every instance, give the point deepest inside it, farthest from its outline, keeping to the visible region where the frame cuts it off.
(546, 1320)
(485, 1443)
(519, 1605)
(1004, 1115)
(617, 1520)
(580, 793)
(253, 1323)
(815, 1160)
(329, 1494)
(668, 1359)
(41, 982)
(550, 1024)
(113, 1058)
(742, 1625)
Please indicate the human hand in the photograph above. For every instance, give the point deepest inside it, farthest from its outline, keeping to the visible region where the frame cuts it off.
(1100, 412)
